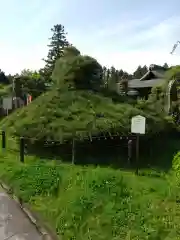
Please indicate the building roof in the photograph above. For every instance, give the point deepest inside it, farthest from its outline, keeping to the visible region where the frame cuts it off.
(157, 67)
(154, 77)
(137, 83)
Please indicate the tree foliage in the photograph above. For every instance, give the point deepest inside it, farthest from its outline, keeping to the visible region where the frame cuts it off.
(173, 73)
(3, 78)
(176, 169)
(30, 82)
(166, 65)
(77, 71)
(57, 43)
(71, 51)
(113, 79)
(140, 71)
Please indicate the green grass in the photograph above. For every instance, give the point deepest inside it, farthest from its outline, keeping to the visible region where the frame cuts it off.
(95, 203)
(61, 115)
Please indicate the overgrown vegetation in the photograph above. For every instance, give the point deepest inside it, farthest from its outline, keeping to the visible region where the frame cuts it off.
(5, 90)
(59, 114)
(176, 168)
(95, 203)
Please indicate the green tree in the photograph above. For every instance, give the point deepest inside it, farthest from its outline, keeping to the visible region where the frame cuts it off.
(57, 43)
(112, 80)
(121, 73)
(173, 73)
(3, 78)
(137, 73)
(140, 71)
(10, 78)
(144, 70)
(29, 82)
(75, 70)
(105, 83)
(26, 72)
(166, 65)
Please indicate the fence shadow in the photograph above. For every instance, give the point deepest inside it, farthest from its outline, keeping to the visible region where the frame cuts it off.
(154, 153)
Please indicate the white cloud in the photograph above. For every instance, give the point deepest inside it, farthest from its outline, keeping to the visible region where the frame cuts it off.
(14, 59)
(129, 61)
(124, 26)
(160, 35)
(152, 45)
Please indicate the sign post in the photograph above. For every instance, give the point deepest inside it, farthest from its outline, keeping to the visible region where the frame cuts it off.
(138, 126)
(137, 153)
(7, 104)
(129, 151)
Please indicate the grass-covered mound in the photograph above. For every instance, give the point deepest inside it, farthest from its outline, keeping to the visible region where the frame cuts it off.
(61, 115)
(94, 203)
(76, 106)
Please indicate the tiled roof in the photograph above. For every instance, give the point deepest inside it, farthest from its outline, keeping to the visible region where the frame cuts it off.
(137, 83)
(155, 76)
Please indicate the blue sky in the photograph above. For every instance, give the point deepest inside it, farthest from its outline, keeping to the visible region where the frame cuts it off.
(119, 33)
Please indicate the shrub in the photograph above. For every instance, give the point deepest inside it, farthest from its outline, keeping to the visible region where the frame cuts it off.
(57, 114)
(75, 70)
(176, 168)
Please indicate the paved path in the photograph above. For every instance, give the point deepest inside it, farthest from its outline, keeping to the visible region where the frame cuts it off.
(14, 225)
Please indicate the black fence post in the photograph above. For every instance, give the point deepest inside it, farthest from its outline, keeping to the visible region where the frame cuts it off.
(22, 149)
(73, 151)
(3, 139)
(129, 151)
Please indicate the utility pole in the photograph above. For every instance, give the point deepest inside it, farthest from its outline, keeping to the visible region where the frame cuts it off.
(14, 92)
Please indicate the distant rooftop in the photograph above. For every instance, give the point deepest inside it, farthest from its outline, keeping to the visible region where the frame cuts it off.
(153, 77)
(136, 83)
(156, 67)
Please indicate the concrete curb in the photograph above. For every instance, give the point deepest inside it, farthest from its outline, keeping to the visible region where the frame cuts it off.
(33, 217)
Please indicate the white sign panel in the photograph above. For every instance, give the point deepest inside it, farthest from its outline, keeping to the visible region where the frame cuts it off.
(138, 124)
(7, 103)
